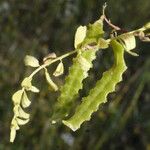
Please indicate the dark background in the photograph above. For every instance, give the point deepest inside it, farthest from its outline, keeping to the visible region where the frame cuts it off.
(41, 26)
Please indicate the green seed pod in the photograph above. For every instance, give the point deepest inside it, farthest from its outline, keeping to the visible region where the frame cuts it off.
(98, 94)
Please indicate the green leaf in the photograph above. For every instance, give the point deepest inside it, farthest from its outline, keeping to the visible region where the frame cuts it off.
(95, 29)
(50, 81)
(103, 44)
(84, 64)
(17, 96)
(25, 100)
(59, 70)
(94, 33)
(80, 35)
(31, 61)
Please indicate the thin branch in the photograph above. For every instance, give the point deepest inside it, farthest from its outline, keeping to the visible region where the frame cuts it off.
(108, 21)
(51, 62)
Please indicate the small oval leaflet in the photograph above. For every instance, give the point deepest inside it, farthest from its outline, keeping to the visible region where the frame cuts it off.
(49, 57)
(34, 89)
(15, 124)
(15, 110)
(59, 70)
(26, 83)
(17, 97)
(129, 43)
(80, 35)
(21, 121)
(31, 61)
(12, 134)
(50, 81)
(14, 127)
(23, 114)
(25, 100)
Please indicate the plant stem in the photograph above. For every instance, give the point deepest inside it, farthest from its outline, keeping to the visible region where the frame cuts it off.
(138, 30)
(134, 32)
(51, 62)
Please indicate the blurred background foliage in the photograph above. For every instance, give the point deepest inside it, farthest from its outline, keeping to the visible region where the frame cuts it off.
(39, 27)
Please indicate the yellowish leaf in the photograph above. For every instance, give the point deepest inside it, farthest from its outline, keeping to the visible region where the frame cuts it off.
(17, 96)
(26, 83)
(80, 35)
(16, 110)
(103, 43)
(25, 100)
(49, 57)
(84, 63)
(12, 134)
(53, 121)
(59, 70)
(21, 121)
(34, 89)
(31, 61)
(14, 124)
(23, 114)
(50, 81)
(129, 43)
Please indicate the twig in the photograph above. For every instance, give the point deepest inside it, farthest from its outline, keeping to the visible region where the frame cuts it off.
(108, 21)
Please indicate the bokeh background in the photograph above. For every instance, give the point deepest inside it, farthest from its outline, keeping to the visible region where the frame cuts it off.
(39, 27)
